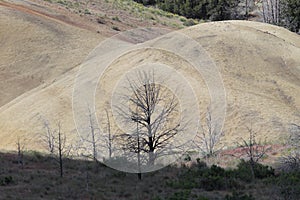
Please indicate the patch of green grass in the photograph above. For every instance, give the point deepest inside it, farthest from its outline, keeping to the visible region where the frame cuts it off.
(87, 12)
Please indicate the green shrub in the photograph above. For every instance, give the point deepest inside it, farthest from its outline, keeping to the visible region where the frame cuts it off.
(182, 19)
(211, 183)
(189, 22)
(116, 18)
(201, 164)
(239, 196)
(202, 198)
(181, 195)
(7, 180)
(289, 185)
(243, 171)
(87, 12)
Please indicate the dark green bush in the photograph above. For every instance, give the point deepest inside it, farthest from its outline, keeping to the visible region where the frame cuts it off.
(189, 22)
(181, 195)
(239, 196)
(289, 185)
(243, 171)
(211, 183)
(7, 180)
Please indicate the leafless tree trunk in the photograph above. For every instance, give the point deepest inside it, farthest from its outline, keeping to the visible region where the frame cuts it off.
(291, 162)
(157, 127)
(253, 149)
(110, 136)
(55, 141)
(93, 141)
(49, 137)
(247, 9)
(20, 148)
(207, 139)
(271, 11)
(99, 140)
(139, 152)
(61, 142)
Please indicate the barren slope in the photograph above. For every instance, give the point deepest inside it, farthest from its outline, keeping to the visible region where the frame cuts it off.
(259, 64)
(37, 49)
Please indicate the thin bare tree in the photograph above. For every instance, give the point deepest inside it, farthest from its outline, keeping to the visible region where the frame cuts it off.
(97, 140)
(253, 149)
(271, 11)
(153, 108)
(20, 148)
(61, 144)
(49, 138)
(55, 141)
(291, 162)
(208, 139)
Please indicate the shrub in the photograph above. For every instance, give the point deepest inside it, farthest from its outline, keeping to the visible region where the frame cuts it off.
(243, 171)
(182, 19)
(87, 12)
(181, 195)
(289, 185)
(189, 22)
(6, 180)
(239, 196)
(116, 18)
(101, 20)
(116, 28)
(211, 183)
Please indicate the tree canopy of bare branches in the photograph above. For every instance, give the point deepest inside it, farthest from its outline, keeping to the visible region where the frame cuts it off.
(254, 150)
(154, 109)
(208, 138)
(55, 141)
(291, 161)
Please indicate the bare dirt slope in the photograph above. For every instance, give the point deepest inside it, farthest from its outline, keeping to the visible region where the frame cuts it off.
(259, 64)
(37, 48)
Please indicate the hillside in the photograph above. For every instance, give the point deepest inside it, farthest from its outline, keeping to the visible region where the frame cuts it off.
(44, 44)
(41, 40)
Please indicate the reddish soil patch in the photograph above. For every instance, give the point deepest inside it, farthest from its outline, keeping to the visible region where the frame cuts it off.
(57, 18)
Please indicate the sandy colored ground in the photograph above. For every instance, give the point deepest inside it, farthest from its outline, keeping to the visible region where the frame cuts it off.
(259, 64)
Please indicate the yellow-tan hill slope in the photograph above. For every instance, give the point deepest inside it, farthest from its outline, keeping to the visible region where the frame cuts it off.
(259, 64)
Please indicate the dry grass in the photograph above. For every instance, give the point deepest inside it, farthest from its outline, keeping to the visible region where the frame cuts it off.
(39, 178)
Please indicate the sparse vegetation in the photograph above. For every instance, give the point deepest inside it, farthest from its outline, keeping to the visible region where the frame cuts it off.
(116, 28)
(181, 183)
(34, 174)
(291, 161)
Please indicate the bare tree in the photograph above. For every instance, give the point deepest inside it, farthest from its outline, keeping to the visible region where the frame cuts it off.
(208, 138)
(61, 145)
(48, 138)
(291, 161)
(154, 109)
(110, 137)
(20, 148)
(94, 140)
(271, 11)
(254, 150)
(97, 140)
(55, 141)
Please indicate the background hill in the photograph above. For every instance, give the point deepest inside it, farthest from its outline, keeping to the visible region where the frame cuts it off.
(43, 44)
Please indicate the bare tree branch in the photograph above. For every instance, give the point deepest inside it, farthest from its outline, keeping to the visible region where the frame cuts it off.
(154, 109)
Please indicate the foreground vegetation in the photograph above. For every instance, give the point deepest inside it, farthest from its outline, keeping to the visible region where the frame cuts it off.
(39, 177)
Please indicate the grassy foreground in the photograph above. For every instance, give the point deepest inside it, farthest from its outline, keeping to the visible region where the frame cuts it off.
(39, 178)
